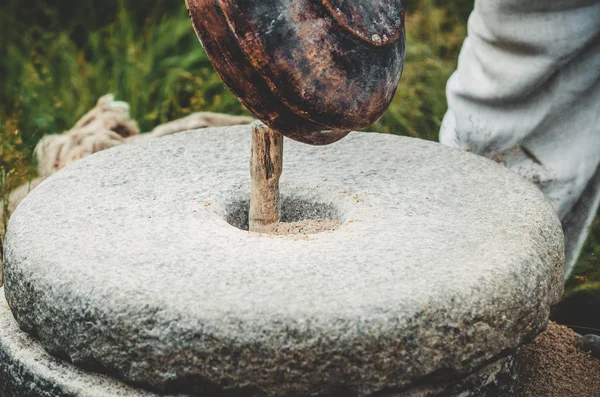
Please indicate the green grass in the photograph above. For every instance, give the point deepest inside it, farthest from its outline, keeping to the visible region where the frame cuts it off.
(57, 58)
(55, 71)
(434, 37)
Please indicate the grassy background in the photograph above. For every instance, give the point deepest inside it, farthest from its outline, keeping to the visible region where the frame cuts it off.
(58, 57)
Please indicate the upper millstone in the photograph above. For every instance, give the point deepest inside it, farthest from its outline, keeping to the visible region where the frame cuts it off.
(125, 262)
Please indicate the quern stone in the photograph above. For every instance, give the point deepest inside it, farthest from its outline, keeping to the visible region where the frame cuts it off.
(133, 262)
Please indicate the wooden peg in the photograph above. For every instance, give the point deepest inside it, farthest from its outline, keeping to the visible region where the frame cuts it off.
(266, 165)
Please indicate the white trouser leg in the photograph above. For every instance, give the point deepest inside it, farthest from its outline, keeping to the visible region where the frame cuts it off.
(527, 93)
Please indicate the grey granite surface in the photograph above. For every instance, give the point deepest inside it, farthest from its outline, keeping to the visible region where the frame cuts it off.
(27, 370)
(125, 262)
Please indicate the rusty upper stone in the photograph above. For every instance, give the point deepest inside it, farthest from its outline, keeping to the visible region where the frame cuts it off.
(311, 69)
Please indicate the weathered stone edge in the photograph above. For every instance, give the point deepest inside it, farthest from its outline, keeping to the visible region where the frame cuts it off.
(26, 370)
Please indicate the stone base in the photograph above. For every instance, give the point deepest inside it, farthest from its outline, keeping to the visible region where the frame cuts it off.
(27, 370)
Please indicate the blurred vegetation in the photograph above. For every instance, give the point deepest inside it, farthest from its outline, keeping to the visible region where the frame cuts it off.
(435, 33)
(580, 307)
(58, 57)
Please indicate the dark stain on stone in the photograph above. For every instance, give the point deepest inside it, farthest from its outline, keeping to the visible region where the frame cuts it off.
(269, 166)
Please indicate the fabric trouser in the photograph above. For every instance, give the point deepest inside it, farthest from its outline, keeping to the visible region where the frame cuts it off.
(526, 93)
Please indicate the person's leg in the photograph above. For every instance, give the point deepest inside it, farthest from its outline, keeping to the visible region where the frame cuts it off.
(527, 93)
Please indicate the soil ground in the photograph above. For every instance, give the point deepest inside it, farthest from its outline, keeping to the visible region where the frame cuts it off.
(553, 367)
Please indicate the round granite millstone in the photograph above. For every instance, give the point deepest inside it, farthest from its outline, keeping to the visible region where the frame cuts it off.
(125, 262)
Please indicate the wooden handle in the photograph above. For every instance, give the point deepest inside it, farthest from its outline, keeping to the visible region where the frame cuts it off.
(266, 165)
